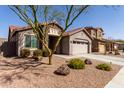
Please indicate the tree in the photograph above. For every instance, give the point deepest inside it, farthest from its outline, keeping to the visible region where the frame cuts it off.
(33, 14)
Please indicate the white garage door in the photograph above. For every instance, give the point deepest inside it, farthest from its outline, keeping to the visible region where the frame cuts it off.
(79, 47)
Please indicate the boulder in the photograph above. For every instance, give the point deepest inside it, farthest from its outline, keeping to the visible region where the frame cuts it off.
(88, 61)
(62, 70)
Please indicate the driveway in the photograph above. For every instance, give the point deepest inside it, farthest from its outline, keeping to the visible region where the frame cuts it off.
(105, 58)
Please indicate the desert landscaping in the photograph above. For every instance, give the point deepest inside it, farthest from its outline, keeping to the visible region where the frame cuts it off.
(42, 75)
(50, 49)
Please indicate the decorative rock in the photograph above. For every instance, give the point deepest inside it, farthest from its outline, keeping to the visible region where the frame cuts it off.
(88, 61)
(62, 70)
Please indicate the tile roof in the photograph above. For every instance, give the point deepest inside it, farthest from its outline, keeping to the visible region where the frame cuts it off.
(13, 29)
(18, 28)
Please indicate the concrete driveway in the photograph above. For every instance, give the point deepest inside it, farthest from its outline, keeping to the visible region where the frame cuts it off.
(105, 58)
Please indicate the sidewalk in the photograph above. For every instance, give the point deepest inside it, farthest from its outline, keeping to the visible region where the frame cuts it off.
(117, 81)
(104, 58)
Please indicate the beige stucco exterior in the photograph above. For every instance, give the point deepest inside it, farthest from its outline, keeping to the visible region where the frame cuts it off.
(66, 46)
(19, 38)
(98, 43)
(81, 37)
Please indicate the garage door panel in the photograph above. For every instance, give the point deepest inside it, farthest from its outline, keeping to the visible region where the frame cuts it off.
(79, 48)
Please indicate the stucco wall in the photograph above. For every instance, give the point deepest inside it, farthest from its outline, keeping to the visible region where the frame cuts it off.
(21, 40)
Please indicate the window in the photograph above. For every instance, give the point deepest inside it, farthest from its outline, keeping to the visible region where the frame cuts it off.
(31, 41)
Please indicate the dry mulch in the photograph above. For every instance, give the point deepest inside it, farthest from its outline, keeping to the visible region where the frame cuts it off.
(43, 76)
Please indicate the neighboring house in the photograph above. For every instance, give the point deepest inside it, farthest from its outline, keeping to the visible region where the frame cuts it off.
(98, 42)
(77, 41)
(121, 46)
(111, 45)
(2, 41)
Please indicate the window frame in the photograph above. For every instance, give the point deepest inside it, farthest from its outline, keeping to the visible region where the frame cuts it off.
(30, 46)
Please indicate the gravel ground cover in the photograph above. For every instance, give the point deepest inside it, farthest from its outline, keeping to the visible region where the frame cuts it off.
(43, 76)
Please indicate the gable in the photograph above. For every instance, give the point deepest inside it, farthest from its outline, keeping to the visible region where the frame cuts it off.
(54, 30)
(80, 35)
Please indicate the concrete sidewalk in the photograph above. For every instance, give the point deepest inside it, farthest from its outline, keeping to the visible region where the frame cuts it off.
(117, 81)
(105, 58)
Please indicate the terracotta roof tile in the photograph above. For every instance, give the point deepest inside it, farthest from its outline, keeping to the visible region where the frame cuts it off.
(13, 29)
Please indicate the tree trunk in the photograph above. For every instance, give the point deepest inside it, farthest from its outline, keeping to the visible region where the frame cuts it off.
(50, 60)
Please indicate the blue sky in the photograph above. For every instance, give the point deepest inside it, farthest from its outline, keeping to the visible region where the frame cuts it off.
(109, 18)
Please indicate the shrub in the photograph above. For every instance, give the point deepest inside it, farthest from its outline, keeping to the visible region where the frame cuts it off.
(76, 63)
(104, 66)
(37, 54)
(24, 53)
(45, 53)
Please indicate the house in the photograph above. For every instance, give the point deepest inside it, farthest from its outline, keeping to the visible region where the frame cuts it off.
(2, 41)
(73, 42)
(79, 42)
(111, 45)
(98, 42)
(121, 46)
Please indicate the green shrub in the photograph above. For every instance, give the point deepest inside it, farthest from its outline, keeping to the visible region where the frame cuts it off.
(37, 54)
(24, 53)
(76, 63)
(104, 66)
(45, 53)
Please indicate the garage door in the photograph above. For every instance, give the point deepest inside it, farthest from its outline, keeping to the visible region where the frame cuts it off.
(79, 47)
(101, 48)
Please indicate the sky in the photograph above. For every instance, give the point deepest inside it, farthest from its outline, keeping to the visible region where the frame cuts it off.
(109, 18)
